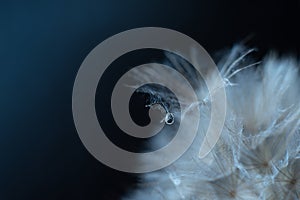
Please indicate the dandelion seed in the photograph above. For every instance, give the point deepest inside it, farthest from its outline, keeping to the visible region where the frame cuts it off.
(234, 186)
(286, 185)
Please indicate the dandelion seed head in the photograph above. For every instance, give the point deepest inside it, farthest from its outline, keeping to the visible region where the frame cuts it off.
(258, 153)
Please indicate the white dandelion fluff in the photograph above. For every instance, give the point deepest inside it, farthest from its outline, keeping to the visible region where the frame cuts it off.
(286, 184)
(258, 154)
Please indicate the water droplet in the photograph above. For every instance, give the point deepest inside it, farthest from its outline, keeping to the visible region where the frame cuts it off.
(169, 118)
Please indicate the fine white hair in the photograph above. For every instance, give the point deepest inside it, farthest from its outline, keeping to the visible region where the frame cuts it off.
(258, 154)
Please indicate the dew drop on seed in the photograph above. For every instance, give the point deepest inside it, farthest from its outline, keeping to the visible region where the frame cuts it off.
(169, 118)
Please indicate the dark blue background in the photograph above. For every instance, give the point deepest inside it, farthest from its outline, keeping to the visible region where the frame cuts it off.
(42, 45)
